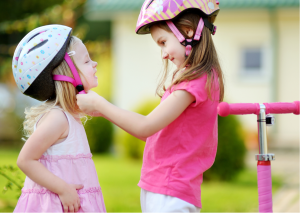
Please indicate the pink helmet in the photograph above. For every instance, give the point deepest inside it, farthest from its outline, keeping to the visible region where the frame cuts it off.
(165, 10)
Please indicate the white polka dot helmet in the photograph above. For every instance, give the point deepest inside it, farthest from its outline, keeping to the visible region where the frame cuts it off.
(36, 56)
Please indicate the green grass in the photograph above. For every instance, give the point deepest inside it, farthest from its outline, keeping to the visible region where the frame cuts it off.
(239, 195)
(119, 177)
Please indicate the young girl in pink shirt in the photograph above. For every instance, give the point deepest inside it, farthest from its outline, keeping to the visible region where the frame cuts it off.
(181, 133)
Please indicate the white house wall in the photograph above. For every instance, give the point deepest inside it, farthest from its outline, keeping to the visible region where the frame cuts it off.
(288, 79)
(136, 63)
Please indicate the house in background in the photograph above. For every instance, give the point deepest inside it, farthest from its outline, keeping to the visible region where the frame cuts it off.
(258, 47)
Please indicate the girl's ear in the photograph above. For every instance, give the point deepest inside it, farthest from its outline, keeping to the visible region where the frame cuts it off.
(189, 32)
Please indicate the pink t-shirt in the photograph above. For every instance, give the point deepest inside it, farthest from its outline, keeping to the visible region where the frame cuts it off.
(176, 157)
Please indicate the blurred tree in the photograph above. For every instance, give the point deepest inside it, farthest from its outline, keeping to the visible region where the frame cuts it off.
(230, 158)
(23, 8)
(99, 132)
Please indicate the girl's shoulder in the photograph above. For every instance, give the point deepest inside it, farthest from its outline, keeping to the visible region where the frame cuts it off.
(55, 117)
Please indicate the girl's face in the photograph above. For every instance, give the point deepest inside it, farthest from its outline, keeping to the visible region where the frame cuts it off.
(86, 66)
(169, 44)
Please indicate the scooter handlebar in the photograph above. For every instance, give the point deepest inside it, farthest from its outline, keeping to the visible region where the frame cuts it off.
(225, 109)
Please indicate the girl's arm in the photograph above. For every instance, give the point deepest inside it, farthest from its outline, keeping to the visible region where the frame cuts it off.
(52, 126)
(97, 114)
(134, 123)
(139, 137)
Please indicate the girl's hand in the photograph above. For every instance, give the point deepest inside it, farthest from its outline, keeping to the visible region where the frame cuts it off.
(86, 102)
(69, 198)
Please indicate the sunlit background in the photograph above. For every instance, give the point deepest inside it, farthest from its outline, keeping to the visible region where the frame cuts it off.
(258, 48)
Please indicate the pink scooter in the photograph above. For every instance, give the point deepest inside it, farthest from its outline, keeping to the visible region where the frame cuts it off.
(264, 180)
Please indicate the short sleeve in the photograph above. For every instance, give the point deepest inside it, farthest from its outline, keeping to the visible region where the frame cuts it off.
(195, 87)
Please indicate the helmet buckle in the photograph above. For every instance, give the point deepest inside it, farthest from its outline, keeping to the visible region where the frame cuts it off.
(190, 42)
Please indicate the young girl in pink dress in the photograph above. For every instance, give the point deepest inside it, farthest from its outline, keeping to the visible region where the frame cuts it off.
(48, 64)
(181, 132)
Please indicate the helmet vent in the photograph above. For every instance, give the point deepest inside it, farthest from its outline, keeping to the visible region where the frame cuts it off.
(33, 37)
(149, 4)
(39, 45)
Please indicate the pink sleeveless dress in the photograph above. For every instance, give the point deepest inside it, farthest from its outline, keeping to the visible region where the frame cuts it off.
(71, 161)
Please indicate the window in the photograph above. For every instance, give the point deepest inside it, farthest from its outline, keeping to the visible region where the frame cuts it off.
(252, 61)
(255, 64)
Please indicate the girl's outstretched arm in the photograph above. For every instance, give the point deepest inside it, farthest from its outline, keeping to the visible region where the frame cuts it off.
(52, 126)
(134, 123)
(98, 114)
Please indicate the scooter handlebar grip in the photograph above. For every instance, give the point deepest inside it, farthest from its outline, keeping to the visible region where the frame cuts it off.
(225, 109)
(264, 182)
(282, 108)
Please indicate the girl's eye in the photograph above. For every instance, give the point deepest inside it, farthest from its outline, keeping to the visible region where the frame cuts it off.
(87, 61)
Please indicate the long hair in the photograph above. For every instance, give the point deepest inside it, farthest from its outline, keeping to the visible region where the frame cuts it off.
(202, 60)
(65, 95)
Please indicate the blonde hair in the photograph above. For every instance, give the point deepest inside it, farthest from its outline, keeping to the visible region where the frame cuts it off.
(65, 95)
(203, 58)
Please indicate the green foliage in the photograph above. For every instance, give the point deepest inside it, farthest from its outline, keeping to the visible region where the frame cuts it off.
(22, 9)
(99, 132)
(231, 150)
(14, 180)
(134, 147)
(96, 30)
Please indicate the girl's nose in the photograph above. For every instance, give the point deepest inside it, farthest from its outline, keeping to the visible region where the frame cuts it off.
(95, 64)
(165, 55)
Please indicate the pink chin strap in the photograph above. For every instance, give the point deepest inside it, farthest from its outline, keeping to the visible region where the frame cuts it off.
(76, 81)
(188, 42)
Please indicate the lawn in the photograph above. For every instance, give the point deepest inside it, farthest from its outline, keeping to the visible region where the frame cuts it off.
(119, 177)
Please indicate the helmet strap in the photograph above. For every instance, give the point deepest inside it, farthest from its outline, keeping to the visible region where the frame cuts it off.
(210, 26)
(76, 81)
(188, 43)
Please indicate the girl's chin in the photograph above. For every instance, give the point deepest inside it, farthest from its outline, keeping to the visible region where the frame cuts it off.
(94, 85)
(176, 64)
